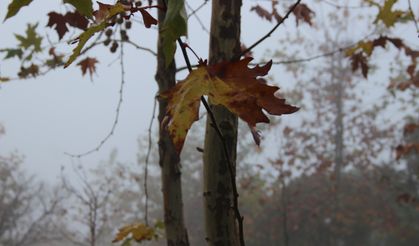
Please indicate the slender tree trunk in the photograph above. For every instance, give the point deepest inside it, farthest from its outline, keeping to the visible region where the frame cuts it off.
(220, 224)
(339, 77)
(176, 233)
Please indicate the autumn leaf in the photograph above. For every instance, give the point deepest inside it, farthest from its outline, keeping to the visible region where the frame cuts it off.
(86, 35)
(25, 72)
(56, 60)
(84, 7)
(15, 6)
(231, 84)
(358, 60)
(75, 19)
(147, 18)
(304, 13)
(387, 15)
(103, 11)
(88, 64)
(59, 21)
(139, 232)
(365, 48)
(174, 26)
(262, 12)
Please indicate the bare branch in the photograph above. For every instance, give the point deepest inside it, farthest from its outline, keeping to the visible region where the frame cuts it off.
(147, 160)
(272, 30)
(118, 109)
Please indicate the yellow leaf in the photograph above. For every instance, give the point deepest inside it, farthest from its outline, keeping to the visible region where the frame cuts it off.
(388, 16)
(365, 46)
(139, 232)
(231, 84)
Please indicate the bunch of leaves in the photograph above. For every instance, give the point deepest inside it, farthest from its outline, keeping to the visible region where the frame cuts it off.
(231, 84)
(84, 7)
(138, 232)
(387, 15)
(268, 15)
(29, 51)
(60, 22)
(104, 17)
(301, 12)
(364, 49)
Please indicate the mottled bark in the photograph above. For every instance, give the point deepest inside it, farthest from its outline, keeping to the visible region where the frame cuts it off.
(176, 233)
(220, 224)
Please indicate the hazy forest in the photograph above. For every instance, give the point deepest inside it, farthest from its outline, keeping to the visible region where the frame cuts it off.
(197, 122)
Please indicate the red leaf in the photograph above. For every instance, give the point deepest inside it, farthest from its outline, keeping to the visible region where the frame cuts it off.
(148, 19)
(304, 13)
(88, 64)
(360, 61)
(263, 13)
(59, 21)
(75, 19)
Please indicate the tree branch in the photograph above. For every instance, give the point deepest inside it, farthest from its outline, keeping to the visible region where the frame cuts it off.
(118, 109)
(272, 30)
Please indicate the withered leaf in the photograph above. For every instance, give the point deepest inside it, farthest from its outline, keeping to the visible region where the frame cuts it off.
(103, 11)
(139, 232)
(88, 64)
(32, 70)
(75, 19)
(359, 60)
(231, 84)
(262, 12)
(304, 13)
(148, 19)
(59, 22)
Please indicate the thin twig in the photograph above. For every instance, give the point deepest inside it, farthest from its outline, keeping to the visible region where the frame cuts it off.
(150, 127)
(194, 13)
(301, 60)
(118, 109)
(413, 16)
(214, 124)
(272, 30)
(125, 41)
(339, 6)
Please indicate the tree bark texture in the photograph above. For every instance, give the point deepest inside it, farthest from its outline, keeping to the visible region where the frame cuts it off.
(176, 233)
(220, 224)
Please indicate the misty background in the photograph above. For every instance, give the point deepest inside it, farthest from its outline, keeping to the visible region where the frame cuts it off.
(293, 170)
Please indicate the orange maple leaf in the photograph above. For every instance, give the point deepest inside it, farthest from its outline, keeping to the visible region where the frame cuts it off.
(231, 84)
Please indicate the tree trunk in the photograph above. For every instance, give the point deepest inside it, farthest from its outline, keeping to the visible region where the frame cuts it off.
(220, 224)
(176, 233)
